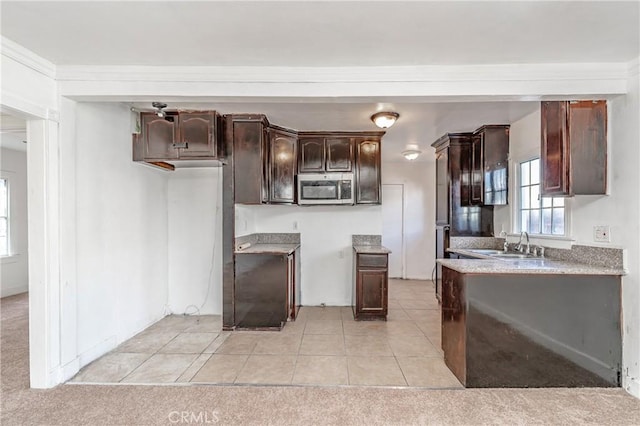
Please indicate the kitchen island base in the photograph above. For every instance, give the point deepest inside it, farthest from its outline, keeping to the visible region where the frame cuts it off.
(528, 330)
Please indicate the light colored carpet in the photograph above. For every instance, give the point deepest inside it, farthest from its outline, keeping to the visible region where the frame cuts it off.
(261, 405)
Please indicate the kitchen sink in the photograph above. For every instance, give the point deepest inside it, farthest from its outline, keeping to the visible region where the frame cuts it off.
(503, 255)
(488, 252)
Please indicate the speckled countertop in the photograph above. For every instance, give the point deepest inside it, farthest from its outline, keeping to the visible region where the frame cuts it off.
(269, 249)
(487, 265)
(371, 249)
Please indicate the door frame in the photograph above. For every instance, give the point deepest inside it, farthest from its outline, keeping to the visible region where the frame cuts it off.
(403, 254)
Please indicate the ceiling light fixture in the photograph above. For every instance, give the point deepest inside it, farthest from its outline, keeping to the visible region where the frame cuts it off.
(159, 106)
(411, 154)
(384, 119)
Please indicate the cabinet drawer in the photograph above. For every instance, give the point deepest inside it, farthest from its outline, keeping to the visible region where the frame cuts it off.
(372, 260)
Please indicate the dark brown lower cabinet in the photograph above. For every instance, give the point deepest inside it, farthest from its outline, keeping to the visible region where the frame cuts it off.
(532, 330)
(370, 287)
(267, 291)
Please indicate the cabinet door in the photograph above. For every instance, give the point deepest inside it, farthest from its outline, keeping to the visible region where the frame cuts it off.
(282, 166)
(554, 156)
(495, 152)
(249, 153)
(588, 140)
(372, 285)
(442, 187)
(476, 193)
(197, 134)
(159, 135)
(312, 155)
(339, 155)
(368, 184)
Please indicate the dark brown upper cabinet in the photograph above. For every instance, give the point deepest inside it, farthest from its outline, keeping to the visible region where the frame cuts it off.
(367, 172)
(489, 178)
(197, 134)
(282, 165)
(339, 154)
(325, 154)
(248, 136)
(264, 160)
(312, 155)
(180, 135)
(574, 148)
(159, 135)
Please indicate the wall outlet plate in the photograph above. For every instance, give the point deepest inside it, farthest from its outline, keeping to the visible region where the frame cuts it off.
(601, 234)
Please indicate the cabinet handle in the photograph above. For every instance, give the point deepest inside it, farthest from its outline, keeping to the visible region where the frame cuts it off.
(184, 145)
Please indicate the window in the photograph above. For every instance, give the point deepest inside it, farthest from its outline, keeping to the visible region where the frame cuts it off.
(4, 217)
(538, 215)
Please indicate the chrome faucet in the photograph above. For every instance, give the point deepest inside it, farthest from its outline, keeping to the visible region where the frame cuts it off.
(519, 246)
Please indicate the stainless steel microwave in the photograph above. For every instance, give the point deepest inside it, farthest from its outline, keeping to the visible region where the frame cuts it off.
(325, 188)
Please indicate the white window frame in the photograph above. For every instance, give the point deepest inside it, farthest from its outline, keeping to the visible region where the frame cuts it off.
(518, 203)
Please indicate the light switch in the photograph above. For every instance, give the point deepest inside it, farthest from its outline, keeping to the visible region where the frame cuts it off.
(601, 234)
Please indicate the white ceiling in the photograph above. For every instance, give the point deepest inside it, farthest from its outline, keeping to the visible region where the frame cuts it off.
(326, 33)
(332, 33)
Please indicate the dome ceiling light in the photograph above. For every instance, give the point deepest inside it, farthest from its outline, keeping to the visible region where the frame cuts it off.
(411, 154)
(384, 119)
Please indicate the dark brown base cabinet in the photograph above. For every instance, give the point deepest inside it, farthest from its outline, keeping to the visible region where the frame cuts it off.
(267, 290)
(532, 330)
(370, 286)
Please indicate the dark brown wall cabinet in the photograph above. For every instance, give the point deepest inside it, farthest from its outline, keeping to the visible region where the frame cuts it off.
(368, 172)
(265, 159)
(248, 134)
(574, 148)
(357, 152)
(179, 136)
(370, 281)
(489, 177)
(282, 166)
(325, 154)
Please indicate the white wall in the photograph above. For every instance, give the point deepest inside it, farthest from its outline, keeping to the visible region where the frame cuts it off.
(14, 277)
(326, 254)
(624, 209)
(121, 228)
(195, 240)
(619, 209)
(419, 213)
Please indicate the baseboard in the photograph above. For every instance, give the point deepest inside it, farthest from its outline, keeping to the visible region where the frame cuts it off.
(97, 351)
(582, 359)
(12, 291)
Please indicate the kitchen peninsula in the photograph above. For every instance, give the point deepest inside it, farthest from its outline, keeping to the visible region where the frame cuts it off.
(531, 323)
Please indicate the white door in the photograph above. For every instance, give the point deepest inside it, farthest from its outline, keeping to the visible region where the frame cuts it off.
(393, 227)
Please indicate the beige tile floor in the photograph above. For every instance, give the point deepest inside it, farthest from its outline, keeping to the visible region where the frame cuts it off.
(324, 346)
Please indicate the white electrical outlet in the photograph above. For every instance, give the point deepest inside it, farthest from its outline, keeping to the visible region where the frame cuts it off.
(601, 234)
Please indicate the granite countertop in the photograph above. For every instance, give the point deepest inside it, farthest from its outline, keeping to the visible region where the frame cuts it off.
(487, 265)
(371, 249)
(261, 248)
